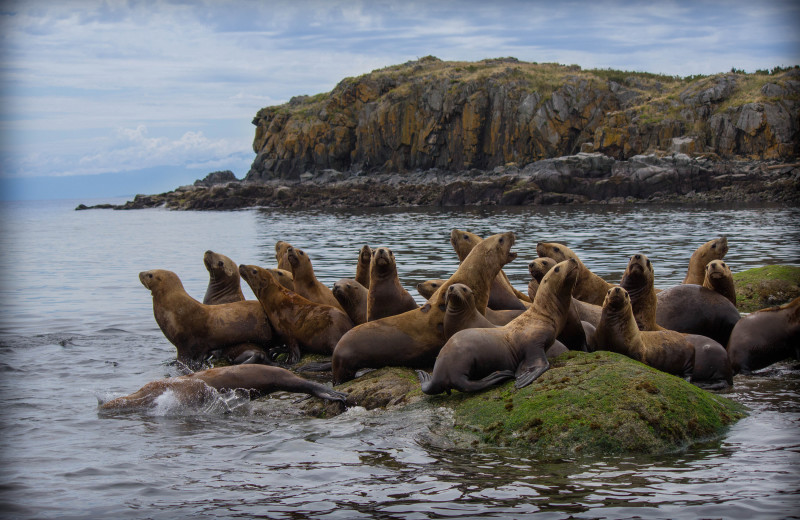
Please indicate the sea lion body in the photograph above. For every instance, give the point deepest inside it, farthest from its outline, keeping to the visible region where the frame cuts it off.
(223, 285)
(386, 296)
(720, 279)
(362, 268)
(415, 337)
(765, 337)
(693, 309)
(197, 329)
(638, 280)
(712, 250)
(461, 312)
(305, 326)
(352, 297)
(475, 359)
(590, 288)
(305, 281)
(573, 334)
(195, 389)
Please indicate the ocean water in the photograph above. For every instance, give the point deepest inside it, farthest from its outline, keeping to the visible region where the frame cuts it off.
(76, 326)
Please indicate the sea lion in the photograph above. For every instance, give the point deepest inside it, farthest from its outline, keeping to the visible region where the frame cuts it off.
(502, 294)
(280, 255)
(590, 287)
(352, 297)
(427, 288)
(711, 250)
(197, 329)
(765, 337)
(223, 283)
(284, 277)
(693, 309)
(574, 334)
(475, 359)
(461, 312)
(305, 281)
(415, 337)
(386, 296)
(194, 389)
(362, 268)
(555, 350)
(638, 279)
(695, 358)
(719, 279)
(303, 325)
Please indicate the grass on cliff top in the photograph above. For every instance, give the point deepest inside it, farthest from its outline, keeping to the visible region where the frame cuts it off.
(595, 404)
(766, 286)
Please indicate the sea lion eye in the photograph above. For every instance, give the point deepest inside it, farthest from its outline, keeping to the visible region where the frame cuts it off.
(713, 246)
(557, 269)
(150, 275)
(220, 263)
(466, 237)
(556, 250)
(501, 240)
(723, 264)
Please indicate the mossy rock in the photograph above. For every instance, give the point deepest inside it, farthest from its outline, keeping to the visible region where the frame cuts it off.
(593, 404)
(766, 286)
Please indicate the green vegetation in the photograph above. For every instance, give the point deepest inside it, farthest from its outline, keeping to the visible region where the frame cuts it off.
(766, 286)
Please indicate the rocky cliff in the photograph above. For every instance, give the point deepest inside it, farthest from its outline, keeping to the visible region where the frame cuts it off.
(457, 116)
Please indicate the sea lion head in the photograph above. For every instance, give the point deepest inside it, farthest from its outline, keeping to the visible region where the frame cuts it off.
(712, 250)
(502, 244)
(297, 257)
(346, 290)
(257, 277)
(638, 273)
(427, 288)
(219, 266)
(617, 300)
(365, 254)
(554, 250)
(717, 270)
(383, 260)
(283, 277)
(159, 279)
(459, 298)
(539, 267)
(558, 284)
(463, 242)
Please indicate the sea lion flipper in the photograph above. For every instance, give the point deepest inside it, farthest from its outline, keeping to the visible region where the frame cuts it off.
(423, 376)
(528, 371)
(293, 356)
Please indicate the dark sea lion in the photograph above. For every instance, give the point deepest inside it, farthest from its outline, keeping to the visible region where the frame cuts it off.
(556, 349)
(461, 312)
(475, 359)
(502, 317)
(194, 389)
(427, 288)
(386, 296)
(197, 329)
(223, 284)
(304, 326)
(590, 287)
(720, 279)
(352, 296)
(284, 277)
(414, 338)
(305, 281)
(765, 337)
(639, 279)
(502, 294)
(697, 359)
(711, 250)
(362, 268)
(280, 255)
(693, 309)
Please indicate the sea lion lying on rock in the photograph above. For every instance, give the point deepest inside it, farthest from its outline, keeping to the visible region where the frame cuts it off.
(194, 389)
(223, 284)
(693, 309)
(461, 312)
(712, 250)
(590, 288)
(638, 280)
(352, 297)
(305, 281)
(765, 337)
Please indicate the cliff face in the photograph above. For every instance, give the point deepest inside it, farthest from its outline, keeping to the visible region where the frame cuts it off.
(456, 116)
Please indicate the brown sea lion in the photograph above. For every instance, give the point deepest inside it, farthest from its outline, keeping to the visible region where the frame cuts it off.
(590, 287)
(415, 337)
(386, 296)
(574, 334)
(195, 389)
(427, 288)
(362, 268)
(638, 279)
(461, 312)
(197, 329)
(304, 326)
(223, 283)
(502, 294)
(284, 277)
(765, 337)
(352, 297)
(475, 359)
(280, 255)
(711, 250)
(305, 281)
(719, 279)
(695, 358)
(693, 309)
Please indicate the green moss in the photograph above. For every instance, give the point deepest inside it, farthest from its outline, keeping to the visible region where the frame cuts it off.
(766, 286)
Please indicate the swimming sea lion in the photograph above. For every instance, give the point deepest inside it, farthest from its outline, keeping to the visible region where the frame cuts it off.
(352, 297)
(223, 283)
(765, 337)
(415, 337)
(194, 389)
(502, 294)
(693, 309)
(280, 255)
(197, 329)
(386, 296)
(305, 281)
(475, 359)
(428, 287)
(638, 280)
(362, 268)
(590, 288)
(719, 279)
(711, 250)
(304, 326)
(461, 312)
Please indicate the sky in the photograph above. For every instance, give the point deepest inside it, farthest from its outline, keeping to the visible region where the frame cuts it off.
(102, 99)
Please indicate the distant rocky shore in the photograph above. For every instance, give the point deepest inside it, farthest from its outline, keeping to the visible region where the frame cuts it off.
(574, 179)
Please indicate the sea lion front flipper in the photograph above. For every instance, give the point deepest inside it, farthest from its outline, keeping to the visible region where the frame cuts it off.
(293, 356)
(423, 376)
(530, 369)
